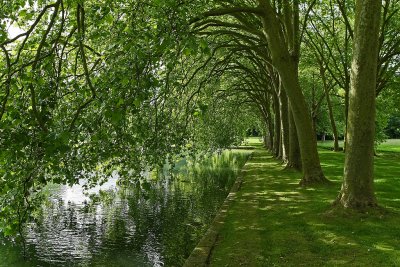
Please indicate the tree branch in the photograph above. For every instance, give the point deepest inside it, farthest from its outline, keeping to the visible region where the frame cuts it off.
(228, 11)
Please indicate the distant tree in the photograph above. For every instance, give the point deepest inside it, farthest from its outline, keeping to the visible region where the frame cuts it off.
(392, 129)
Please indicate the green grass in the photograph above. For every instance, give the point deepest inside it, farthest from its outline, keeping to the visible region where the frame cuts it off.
(391, 145)
(274, 222)
(328, 144)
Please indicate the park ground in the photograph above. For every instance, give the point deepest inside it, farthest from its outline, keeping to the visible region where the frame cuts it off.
(273, 221)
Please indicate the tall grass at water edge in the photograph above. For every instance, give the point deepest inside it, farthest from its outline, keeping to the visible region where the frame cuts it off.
(217, 168)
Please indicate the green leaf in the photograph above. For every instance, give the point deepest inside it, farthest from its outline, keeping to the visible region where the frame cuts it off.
(187, 51)
(125, 81)
(146, 186)
(22, 13)
(120, 102)
(203, 44)
(109, 18)
(137, 102)
(116, 117)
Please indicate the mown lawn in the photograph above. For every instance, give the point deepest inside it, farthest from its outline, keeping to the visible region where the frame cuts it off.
(274, 222)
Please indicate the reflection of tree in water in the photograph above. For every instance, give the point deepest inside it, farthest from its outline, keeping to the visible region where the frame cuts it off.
(63, 234)
(155, 225)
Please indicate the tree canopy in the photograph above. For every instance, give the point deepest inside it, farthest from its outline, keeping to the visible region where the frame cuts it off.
(97, 86)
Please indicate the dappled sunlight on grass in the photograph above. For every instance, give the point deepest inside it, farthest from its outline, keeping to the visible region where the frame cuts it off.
(384, 247)
(283, 224)
(266, 208)
(391, 145)
(332, 238)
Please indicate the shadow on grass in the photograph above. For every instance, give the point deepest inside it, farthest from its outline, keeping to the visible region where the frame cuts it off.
(275, 222)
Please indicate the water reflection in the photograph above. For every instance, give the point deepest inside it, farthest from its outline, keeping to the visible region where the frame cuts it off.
(155, 225)
(76, 195)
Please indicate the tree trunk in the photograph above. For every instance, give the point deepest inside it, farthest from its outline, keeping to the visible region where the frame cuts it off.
(330, 109)
(346, 116)
(277, 126)
(357, 189)
(266, 115)
(271, 133)
(346, 88)
(283, 104)
(280, 154)
(314, 122)
(314, 107)
(294, 158)
(265, 138)
(288, 71)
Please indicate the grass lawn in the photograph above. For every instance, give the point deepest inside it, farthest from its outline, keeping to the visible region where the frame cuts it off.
(274, 222)
(391, 145)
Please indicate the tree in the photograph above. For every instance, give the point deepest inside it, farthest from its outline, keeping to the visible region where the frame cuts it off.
(95, 86)
(357, 189)
(285, 55)
(281, 28)
(331, 35)
(83, 81)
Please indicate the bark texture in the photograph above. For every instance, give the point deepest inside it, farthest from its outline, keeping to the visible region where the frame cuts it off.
(294, 158)
(357, 190)
(288, 71)
(277, 126)
(283, 107)
(270, 132)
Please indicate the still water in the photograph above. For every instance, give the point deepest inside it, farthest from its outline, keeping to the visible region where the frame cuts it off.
(155, 225)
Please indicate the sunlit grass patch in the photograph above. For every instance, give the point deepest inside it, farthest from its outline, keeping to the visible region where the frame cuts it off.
(282, 224)
(392, 145)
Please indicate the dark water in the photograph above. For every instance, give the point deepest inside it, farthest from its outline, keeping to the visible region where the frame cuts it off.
(154, 225)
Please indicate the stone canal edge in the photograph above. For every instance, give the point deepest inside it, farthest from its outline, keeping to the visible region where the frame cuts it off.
(200, 256)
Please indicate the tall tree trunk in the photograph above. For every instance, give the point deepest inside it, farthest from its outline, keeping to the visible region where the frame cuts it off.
(271, 133)
(294, 157)
(314, 106)
(346, 116)
(346, 88)
(314, 122)
(333, 123)
(283, 102)
(268, 136)
(265, 138)
(277, 125)
(280, 154)
(266, 143)
(330, 109)
(288, 71)
(357, 189)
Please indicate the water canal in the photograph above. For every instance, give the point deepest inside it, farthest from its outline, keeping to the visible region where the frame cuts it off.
(154, 225)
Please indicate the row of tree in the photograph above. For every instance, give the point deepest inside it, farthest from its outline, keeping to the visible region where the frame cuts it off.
(356, 51)
(95, 86)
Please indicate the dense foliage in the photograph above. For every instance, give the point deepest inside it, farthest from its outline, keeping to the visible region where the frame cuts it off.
(89, 87)
(97, 86)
